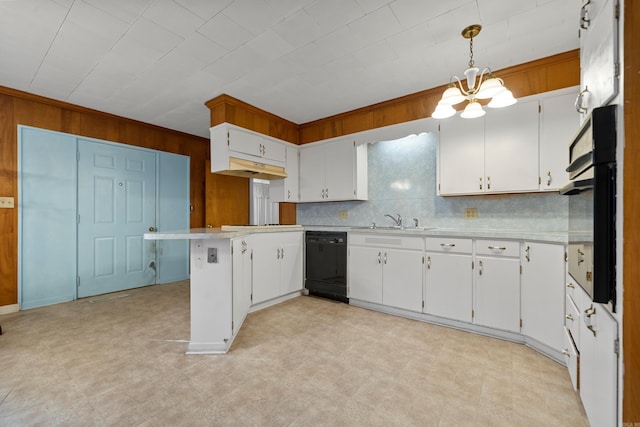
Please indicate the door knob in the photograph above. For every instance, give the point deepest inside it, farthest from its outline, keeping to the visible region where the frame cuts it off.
(152, 229)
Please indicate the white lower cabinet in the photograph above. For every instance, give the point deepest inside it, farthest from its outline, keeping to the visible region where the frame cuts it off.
(241, 279)
(496, 295)
(277, 265)
(543, 294)
(387, 270)
(449, 276)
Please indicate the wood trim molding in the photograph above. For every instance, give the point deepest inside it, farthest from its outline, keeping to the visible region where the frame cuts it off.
(631, 225)
(225, 108)
(542, 75)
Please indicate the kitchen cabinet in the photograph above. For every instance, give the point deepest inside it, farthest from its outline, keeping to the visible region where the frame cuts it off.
(277, 265)
(449, 276)
(386, 270)
(543, 293)
(511, 142)
(492, 154)
(496, 294)
(287, 189)
(333, 171)
(241, 280)
(599, 63)
(599, 365)
(559, 121)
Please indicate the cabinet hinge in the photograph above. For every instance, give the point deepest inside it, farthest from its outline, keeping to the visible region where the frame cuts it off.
(423, 263)
(422, 303)
(231, 249)
(539, 108)
(472, 265)
(438, 187)
(539, 180)
(520, 269)
(618, 10)
(228, 138)
(566, 257)
(251, 297)
(520, 323)
(616, 346)
(473, 314)
(616, 69)
(232, 325)
(354, 143)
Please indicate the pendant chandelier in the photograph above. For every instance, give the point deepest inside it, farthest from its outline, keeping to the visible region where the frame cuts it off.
(487, 86)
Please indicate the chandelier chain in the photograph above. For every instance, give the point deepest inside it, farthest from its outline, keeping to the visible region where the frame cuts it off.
(471, 63)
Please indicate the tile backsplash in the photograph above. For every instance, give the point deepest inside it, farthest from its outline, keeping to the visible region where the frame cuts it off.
(402, 180)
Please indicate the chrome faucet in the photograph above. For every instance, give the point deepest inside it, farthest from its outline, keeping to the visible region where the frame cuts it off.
(415, 222)
(398, 221)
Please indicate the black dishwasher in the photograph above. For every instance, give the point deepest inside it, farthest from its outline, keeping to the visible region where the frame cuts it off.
(326, 264)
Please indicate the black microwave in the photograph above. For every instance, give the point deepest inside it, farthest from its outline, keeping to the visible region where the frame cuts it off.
(592, 205)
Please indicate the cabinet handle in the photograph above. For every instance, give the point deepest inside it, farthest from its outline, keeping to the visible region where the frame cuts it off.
(288, 194)
(326, 192)
(548, 178)
(379, 258)
(569, 317)
(566, 352)
(428, 263)
(587, 319)
(526, 254)
(282, 253)
(580, 256)
(481, 183)
(584, 16)
(580, 100)
(385, 257)
(571, 285)
(278, 256)
(488, 183)
(480, 268)
(447, 245)
(497, 248)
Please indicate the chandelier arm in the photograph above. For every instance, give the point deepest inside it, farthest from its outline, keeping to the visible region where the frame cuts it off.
(484, 73)
(464, 92)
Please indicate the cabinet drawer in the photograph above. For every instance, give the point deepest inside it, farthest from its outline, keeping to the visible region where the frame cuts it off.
(505, 248)
(571, 358)
(572, 320)
(446, 244)
(386, 241)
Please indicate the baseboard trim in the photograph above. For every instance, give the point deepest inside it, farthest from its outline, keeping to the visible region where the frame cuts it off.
(12, 308)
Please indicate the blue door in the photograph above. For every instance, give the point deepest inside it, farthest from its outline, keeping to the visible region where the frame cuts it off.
(46, 217)
(116, 206)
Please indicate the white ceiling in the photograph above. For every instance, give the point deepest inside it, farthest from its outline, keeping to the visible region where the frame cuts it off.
(158, 61)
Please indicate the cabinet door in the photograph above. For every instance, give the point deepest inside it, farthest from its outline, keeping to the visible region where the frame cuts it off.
(291, 262)
(461, 156)
(598, 52)
(266, 268)
(339, 170)
(599, 367)
(287, 190)
(312, 174)
(402, 279)
(365, 274)
(241, 279)
(245, 142)
(543, 294)
(496, 296)
(511, 148)
(448, 286)
(558, 122)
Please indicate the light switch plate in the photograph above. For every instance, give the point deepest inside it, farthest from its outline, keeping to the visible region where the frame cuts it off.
(471, 213)
(343, 214)
(212, 255)
(7, 202)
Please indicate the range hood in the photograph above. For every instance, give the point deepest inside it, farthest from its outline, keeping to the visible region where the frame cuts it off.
(250, 169)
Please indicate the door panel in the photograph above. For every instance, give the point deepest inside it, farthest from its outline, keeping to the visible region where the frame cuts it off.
(116, 206)
(47, 217)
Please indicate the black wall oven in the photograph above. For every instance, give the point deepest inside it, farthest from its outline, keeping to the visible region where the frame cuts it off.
(592, 205)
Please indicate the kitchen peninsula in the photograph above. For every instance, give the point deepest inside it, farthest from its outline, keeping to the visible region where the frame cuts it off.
(221, 278)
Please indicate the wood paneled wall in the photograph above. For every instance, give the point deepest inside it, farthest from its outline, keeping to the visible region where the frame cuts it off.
(227, 201)
(18, 107)
(543, 75)
(631, 243)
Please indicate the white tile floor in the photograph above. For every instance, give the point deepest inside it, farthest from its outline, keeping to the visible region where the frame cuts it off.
(305, 362)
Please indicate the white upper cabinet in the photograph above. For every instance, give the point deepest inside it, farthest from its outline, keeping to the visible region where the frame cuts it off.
(461, 156)
(517, 149)
(288, 189)
(599, 64)
(558, 123)
(510, 144)
(333, 171)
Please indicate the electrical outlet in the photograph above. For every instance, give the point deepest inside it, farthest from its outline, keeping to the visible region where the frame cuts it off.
(470, 213)
(7, 202)
(343, 214)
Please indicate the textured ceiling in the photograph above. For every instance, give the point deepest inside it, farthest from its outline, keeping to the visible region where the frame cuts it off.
(158, 61)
